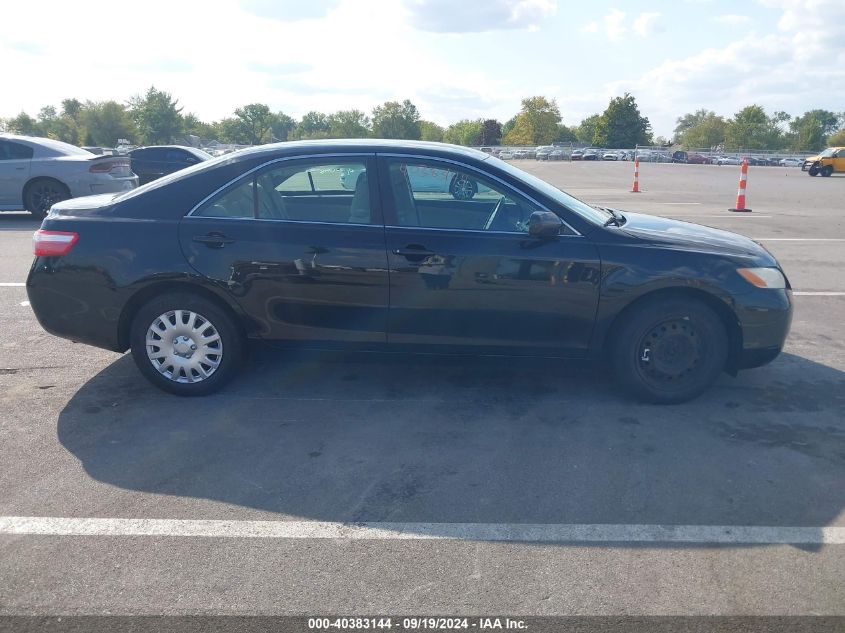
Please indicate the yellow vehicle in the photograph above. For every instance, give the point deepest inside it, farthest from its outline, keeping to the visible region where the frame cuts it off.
(830, 161)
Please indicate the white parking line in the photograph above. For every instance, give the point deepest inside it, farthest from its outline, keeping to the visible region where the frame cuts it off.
(800, 239)
(818, 294)
(513, 532)
(11, 284)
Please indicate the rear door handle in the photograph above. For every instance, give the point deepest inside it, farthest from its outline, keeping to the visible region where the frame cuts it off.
(213, 240)
(413, 252)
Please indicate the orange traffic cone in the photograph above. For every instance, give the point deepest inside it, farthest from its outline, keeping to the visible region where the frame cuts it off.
(740, 194)
(636, 187)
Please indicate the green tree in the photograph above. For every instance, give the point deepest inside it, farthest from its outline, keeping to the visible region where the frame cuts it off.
(281, 126)
(24, 124)
(255, 121)
(566, 134)
(810, 130)
(106, 121)
(157, 116)
(508, 126)
(430, 131)
(705, 131)
(837, 139)
(586, 130)
(464, 132)
(231, 130)
(491, 132)
(536, 124)
(313, 125)
(191, 124)
(348, 124)
(752, 128)
(396, 120)
(622, 125)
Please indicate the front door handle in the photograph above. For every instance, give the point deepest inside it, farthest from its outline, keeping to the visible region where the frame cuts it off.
(413, 252)
(213, 240)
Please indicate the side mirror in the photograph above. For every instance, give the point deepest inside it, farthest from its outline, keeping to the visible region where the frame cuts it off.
(544, 224)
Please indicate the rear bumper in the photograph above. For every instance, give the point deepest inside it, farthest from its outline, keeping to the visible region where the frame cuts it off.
(76, 307)
(102, 184)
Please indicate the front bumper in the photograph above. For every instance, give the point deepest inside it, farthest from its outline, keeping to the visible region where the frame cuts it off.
(765, 317)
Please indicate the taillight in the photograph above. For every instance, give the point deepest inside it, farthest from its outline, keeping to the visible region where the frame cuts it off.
(53, 243)
(105, 166)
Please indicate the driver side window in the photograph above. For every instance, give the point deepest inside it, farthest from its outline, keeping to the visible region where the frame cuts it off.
(436, 195)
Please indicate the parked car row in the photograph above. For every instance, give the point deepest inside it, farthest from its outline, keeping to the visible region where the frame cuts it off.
(35, 173)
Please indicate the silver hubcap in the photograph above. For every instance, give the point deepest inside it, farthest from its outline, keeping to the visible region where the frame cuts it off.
(184, 346)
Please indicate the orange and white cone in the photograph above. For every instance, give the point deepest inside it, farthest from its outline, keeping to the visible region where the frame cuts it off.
(740, 194)
(636, 187)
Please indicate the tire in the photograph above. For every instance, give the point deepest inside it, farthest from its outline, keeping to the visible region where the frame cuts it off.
(814, 170)
(168, 319)
(41, 194)
(827, 170)
(669, 350)
(463, 187)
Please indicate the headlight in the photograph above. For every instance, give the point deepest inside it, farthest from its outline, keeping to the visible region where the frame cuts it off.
(770, 278)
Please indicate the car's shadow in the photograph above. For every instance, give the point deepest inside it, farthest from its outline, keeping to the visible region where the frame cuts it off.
(427, 440)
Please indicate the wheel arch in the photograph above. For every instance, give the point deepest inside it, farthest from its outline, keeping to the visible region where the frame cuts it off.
(147, 293)
(724, 311)
(34, 179)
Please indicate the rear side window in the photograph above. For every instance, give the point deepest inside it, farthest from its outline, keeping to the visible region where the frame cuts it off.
(14, 151)
(237, 202)
(301, 191)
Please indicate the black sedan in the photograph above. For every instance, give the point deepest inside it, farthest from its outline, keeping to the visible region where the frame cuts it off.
(267, 244)
(159, 160)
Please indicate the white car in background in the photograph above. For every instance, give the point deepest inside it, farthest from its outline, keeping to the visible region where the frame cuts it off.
(791, 162)
(35, 173)
(427, 180)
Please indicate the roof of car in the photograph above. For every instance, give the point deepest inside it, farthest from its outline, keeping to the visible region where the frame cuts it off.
(363, 145)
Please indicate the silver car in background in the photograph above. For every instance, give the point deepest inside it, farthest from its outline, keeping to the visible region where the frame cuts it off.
(35, 173)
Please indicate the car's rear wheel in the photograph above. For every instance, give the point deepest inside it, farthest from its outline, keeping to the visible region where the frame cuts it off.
(463, 187)
(185, 344)
(43, 193)
(670, 350)
(827, 170)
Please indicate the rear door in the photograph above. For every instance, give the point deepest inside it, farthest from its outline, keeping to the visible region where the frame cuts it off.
(466, 276)
(15, 164)
(302, 254)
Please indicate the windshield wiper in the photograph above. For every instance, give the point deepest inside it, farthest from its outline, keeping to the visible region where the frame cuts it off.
(615, 217)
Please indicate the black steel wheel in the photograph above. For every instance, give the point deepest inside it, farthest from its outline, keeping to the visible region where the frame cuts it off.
(670, 350)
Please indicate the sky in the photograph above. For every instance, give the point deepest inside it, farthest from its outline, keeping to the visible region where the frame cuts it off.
(453, 59)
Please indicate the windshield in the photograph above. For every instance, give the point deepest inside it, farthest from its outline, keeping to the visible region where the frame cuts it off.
(827, 153)
(587, 212)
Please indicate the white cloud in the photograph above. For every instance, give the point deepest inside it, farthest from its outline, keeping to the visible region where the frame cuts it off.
(645, 24)
(451, 16)
(801, 66)
(732, 19)
(616, 25)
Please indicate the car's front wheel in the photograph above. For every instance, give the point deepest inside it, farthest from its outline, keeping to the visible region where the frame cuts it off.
(669, 350)
(185, 344)
(814, 169)
(43, 193)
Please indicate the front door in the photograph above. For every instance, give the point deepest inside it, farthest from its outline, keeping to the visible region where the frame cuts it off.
(300, 249)
(466, 276)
